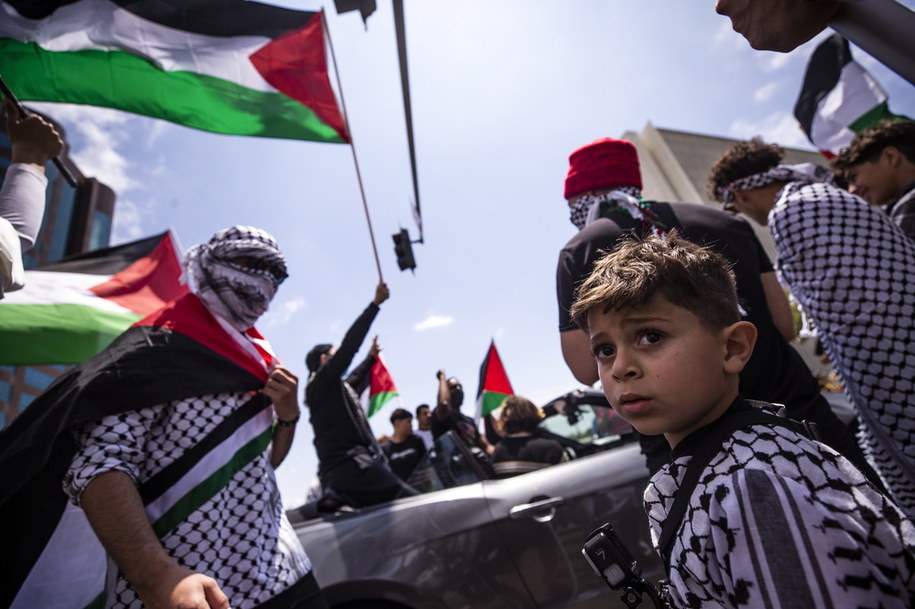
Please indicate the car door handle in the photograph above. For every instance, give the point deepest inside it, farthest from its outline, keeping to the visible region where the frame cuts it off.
(536, 509)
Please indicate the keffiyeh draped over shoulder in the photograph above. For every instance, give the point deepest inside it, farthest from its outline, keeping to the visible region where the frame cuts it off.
(236, 273)
(589, 208)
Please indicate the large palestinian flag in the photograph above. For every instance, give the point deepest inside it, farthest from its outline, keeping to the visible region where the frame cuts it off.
(178, 352)
(838, 97)
(70, 310)
(228, 66)
(494, 385)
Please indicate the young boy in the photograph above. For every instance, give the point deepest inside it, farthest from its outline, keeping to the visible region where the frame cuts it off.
(776, 519)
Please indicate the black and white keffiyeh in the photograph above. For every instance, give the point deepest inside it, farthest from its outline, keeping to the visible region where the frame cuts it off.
(778, 520)
(806, 173)
(589, 208)
(851, 268)
(236, 273)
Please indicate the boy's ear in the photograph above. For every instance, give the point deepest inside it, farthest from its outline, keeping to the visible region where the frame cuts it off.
(740, 338)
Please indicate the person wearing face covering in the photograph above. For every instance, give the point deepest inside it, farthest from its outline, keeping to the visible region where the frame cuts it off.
(165, 443)
(447, 416)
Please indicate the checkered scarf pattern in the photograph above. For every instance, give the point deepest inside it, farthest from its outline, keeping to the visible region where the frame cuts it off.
(806, 173)
(239, 294)
(589, 208)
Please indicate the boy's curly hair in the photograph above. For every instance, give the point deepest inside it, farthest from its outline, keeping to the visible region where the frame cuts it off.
(688, 275)
(742, 160)
(869, 143)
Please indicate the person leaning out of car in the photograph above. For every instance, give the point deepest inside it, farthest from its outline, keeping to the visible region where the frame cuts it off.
(521, 450)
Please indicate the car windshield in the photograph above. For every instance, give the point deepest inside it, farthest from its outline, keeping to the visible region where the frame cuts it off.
(585, 424)
(447, 465)
(582, 421)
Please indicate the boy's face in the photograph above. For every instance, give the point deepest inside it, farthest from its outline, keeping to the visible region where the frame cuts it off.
(873, 181)
(404, 425)
(661, 369)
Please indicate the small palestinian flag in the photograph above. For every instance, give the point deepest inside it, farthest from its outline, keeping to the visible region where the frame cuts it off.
(494, 384)
(838, 98)
(71, 310)
(227, 66)
(381, 387)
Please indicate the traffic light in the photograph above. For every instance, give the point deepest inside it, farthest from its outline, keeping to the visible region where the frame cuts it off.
(404, 250)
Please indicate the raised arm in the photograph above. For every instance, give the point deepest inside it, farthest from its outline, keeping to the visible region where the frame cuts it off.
(443, 400)
(343, 357)
(282, 388)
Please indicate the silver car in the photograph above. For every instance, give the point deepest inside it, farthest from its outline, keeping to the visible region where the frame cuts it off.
(466, 541)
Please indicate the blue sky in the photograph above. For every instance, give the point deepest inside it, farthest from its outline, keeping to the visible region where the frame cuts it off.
(502, 93)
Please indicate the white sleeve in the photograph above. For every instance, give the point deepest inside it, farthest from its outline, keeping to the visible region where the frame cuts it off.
(112, 443)
(12, 276)
(22, 201)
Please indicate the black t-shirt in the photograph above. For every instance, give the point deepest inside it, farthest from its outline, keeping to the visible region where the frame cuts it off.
(404, 456)
(775, 372)
(336, 416)
(527, 448)
(464, 427)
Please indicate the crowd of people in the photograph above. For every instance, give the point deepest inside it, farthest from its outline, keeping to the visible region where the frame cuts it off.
(674, 308)
(758, 496)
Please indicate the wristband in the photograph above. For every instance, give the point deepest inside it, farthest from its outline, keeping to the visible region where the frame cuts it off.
(280, 422)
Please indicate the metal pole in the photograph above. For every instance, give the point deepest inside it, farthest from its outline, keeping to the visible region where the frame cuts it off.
(400, 29)
(23, 113)
(884, 29)
(349, 134)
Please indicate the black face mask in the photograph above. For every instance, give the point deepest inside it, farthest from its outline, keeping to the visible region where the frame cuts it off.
(457, 398)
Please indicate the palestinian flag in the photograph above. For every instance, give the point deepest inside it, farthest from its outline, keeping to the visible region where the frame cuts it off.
(838, 98)
(71, 310)
(227, 66)
(494, 384)
(178, 352)
(381, 386)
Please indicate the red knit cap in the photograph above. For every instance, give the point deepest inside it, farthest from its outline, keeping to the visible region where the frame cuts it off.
(604, 163)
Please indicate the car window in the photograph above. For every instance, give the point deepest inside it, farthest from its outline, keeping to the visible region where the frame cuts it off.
(586, 424)
(447, 465)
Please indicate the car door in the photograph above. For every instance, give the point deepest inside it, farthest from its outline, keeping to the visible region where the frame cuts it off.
(544, 517)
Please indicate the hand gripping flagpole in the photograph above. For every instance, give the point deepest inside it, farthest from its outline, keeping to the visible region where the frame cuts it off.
(352, 146)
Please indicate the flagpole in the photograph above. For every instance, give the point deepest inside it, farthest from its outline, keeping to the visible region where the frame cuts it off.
(352, 146)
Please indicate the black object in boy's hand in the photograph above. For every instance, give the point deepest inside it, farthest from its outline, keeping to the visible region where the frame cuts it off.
(614, 564)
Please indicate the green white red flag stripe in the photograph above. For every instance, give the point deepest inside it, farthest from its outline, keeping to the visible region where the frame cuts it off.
(838, 97)
(381, 386)
(181, 342)
(256, 70)
(71, 310)
(494, 385)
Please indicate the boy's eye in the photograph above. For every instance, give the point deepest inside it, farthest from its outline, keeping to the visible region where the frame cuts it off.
(603, 351)
(649, 337)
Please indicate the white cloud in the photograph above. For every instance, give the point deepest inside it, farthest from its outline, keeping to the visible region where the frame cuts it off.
(773, 62)
(95, 135)
(156, 130)
(128, 220)
(281, 313)
(725, 35)
(433, 321)
(780, 128)
(766, 92)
